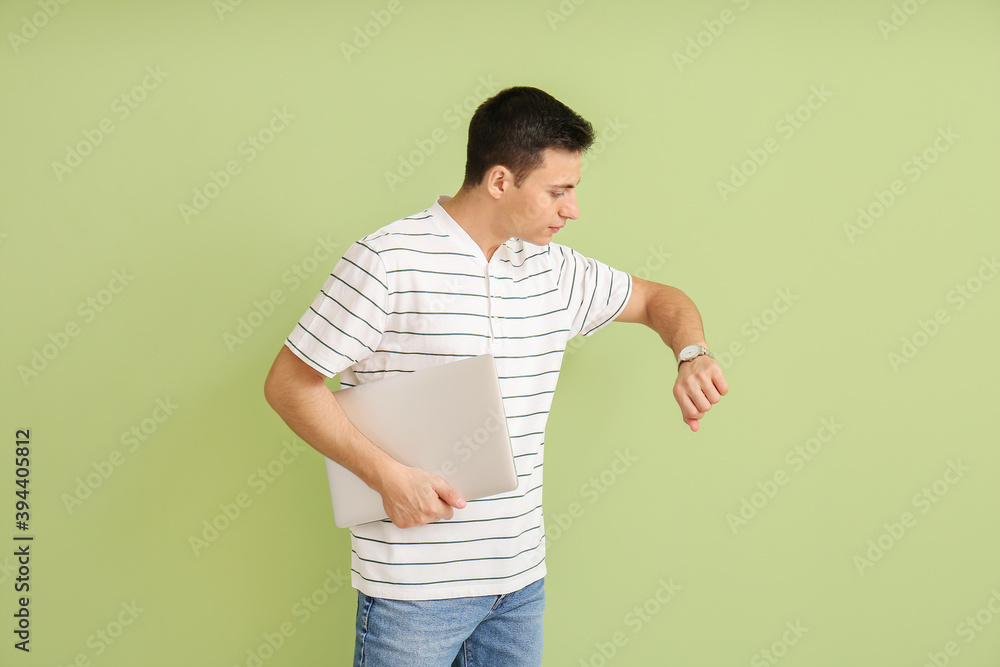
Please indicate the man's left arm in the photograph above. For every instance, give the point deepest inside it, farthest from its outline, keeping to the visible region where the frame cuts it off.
(670, 313)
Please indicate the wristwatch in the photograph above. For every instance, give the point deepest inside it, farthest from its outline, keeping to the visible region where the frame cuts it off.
(690, 352)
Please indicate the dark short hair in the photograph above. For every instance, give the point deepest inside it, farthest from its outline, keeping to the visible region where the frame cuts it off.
(513, 127)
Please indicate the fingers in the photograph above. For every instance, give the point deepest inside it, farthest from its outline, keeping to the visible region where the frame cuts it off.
(705, 397)
(688, 408)
(448, 494)
(409, 517)
(696, 391)
(444, 511)
(420, 498)
(693, 401)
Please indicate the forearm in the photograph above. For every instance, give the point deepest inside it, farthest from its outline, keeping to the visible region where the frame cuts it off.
(671, 314)
(311, 410)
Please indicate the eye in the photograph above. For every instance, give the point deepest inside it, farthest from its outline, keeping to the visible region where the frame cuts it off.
(557, 194)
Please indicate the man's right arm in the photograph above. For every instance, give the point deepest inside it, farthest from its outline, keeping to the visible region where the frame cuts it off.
(298, 393)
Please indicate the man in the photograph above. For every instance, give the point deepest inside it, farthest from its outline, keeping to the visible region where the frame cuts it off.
(445, 580)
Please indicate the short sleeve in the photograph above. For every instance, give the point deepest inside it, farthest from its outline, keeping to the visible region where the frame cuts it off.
(595, 293)
(345, 322)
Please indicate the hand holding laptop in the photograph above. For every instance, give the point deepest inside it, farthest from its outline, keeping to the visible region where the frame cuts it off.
(413, 497)
(440, 424)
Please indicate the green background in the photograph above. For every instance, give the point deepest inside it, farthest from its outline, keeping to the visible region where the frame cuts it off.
(651, 205)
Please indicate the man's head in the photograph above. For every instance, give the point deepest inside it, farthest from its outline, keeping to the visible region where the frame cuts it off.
(514, 127)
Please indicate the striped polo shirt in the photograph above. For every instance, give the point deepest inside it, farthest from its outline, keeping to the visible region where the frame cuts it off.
(417, 293)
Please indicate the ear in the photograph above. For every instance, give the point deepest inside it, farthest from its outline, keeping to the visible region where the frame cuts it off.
(499, 181)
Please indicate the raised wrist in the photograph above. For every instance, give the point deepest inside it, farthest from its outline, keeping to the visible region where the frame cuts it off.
(689, 352)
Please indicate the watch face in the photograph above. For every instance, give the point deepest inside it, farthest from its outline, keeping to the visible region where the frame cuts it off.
(689, 352)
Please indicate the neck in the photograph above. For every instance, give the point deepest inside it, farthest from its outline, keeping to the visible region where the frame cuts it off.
(478, 215)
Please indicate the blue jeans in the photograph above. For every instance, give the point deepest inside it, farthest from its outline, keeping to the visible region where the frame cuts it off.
(487, 631)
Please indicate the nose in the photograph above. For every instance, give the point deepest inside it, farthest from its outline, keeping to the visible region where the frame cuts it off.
(570, 210)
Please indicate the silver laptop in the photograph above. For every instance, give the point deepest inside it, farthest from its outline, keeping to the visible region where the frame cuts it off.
(447, 419)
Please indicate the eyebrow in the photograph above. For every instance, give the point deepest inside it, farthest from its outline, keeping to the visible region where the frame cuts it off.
(567, 185)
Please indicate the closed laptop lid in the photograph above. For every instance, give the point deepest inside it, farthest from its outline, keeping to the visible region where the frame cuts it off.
(447, 419)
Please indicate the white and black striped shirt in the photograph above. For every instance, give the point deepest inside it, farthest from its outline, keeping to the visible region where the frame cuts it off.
(418, 293)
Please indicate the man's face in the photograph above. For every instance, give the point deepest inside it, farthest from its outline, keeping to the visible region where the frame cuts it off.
(546, 198)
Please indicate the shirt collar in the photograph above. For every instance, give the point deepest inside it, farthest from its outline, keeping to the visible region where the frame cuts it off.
(455, 230)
